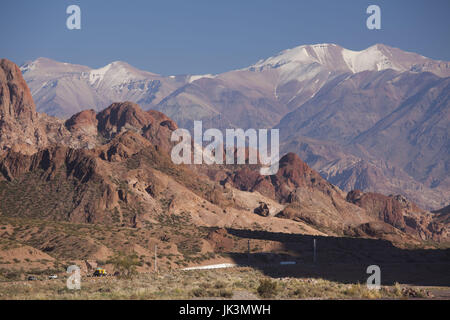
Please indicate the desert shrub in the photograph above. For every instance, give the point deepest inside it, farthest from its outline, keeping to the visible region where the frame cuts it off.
(198, 292)
(205, 285)
(204, 291)
(12, 275)
(224, 293)
(219, 285)
(397, 290)
(125, 264)
(267, 288)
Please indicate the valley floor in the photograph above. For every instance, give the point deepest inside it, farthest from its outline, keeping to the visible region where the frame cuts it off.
(235, 283)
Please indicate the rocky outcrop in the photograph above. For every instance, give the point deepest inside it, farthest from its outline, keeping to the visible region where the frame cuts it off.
(123, 146)
(15, 98)
(307, 196)
(19, 125)
(163, 120)
(262, 209)
(387, 209)
(122, 116)
(83, 122)
(83, 128)
(87, 126)
(401, 213)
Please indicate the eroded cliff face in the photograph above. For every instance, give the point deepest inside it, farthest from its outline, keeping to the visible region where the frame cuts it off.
(401, 213)
(19, 125)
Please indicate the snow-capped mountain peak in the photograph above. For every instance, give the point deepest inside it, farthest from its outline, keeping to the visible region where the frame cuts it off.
(117, 72)
(336, 58)
(46, 66)
(373, 58)
(333, 57)
(60, 88)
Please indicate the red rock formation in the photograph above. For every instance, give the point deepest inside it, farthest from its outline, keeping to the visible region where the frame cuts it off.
(293, 173)
(83, 121)
(385, 208)
(400, 213)
(163, 120)
(16, 101)
(18, 118)
(122, 116)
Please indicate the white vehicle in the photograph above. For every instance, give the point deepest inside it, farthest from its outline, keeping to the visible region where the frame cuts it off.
(53, 276)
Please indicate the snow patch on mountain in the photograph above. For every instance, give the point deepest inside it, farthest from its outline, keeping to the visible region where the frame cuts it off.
(114, 74)
(292, 63)
(98, 75)
(371, 59)
(197, 77)
(61, 88)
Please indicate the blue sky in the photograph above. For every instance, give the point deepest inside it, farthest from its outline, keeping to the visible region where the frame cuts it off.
(211, 36)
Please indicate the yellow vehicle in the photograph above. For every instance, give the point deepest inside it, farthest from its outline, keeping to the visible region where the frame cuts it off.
(99, 272)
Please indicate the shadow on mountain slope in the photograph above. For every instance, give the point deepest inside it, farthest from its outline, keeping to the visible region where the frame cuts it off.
(344, 259)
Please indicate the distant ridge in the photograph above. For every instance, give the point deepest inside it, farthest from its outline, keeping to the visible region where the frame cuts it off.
(374, 119)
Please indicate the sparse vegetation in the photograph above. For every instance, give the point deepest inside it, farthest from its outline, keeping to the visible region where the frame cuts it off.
(267, 288)
(125, 264)
(222, 284)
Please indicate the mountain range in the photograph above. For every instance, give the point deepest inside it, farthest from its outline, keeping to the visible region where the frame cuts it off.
(103, 182)
(375, 120)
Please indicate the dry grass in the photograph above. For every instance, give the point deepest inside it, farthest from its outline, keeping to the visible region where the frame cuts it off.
(73, 242)
(205, 284)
